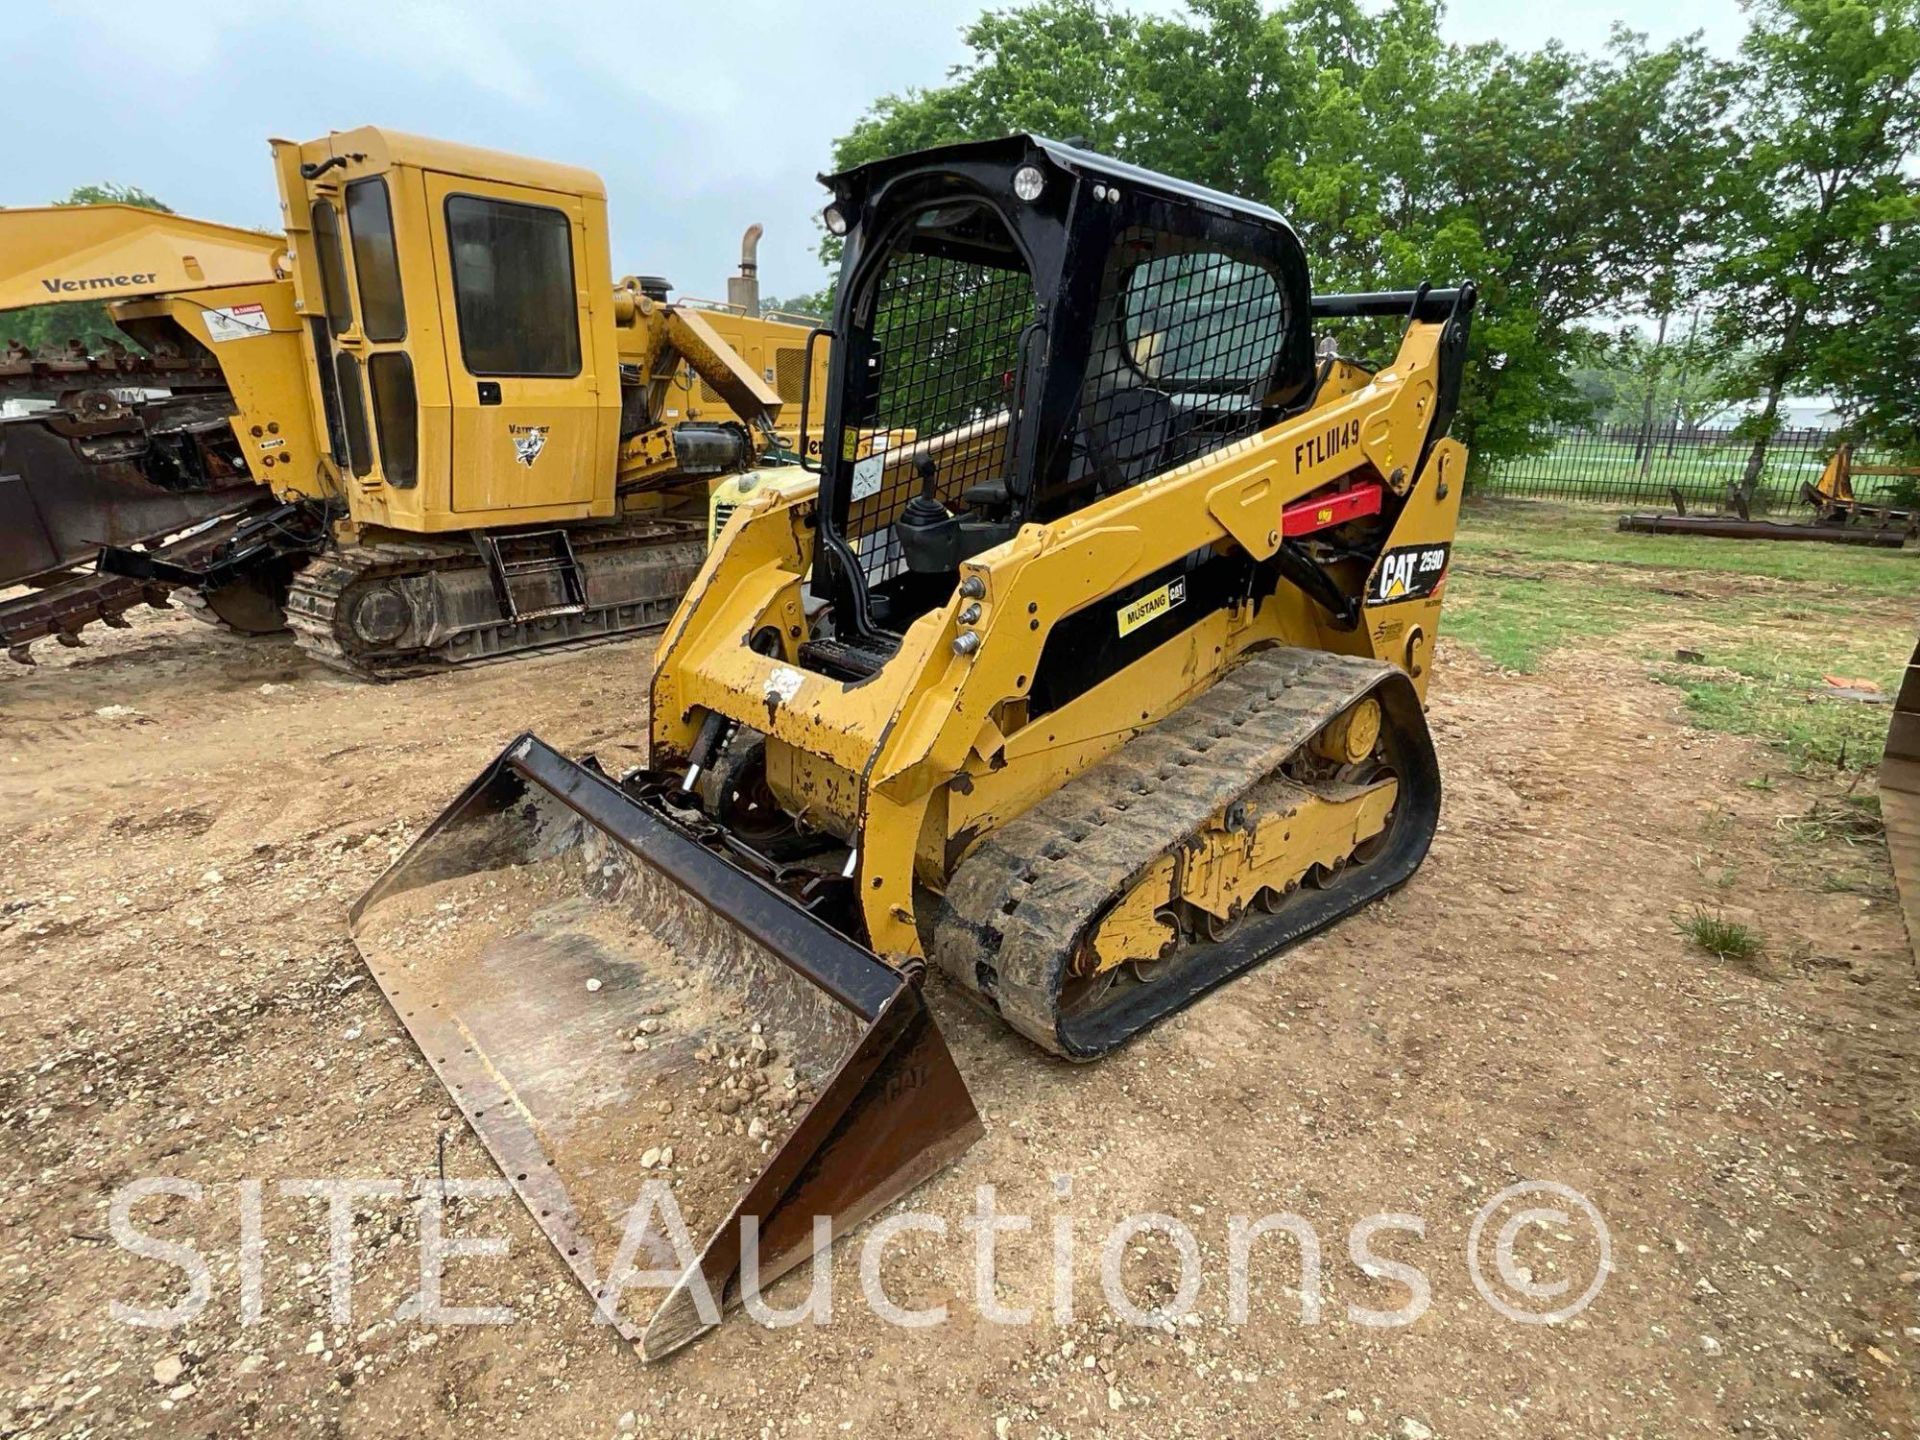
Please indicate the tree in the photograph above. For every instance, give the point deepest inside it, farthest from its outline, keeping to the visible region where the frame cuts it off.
(1871, 362)
(1567, 186)
(1672, 384)
(112, 194)
(1696, 393)
(1574, 188)
(816, 305)
(1831, 117)
(54, 327)
(1057, 67)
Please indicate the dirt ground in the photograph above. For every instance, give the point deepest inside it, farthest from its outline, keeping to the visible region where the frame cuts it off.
(185, 817)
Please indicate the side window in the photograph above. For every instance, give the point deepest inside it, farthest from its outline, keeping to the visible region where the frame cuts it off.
(513, 287)
(396, 416)
(1202, 321)
(353, 412)
(329, 392)
(376, 262)
(333, 265)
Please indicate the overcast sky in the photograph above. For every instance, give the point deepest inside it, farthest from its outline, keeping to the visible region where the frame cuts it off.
(700, 121)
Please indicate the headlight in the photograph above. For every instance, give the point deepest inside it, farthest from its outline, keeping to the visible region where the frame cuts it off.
(836, 220)
(1028, 182)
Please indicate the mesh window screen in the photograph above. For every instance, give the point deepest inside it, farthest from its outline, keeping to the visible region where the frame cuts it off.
(1184, 354)
(940, 388)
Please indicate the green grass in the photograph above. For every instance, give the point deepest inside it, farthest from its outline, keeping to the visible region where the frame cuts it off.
(1515, 620)
(1585, 534)
(1767, 620)
(1720, 937)
(1772, 692)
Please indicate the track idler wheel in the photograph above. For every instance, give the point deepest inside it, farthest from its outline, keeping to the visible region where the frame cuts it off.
(734, 791)
(1271, 900)
(1215, 928)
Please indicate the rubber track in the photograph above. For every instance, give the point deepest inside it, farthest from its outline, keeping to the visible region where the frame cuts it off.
(313, 604)
(1019, 904)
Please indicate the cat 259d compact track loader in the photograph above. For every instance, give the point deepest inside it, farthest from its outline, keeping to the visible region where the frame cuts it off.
(1098, 682)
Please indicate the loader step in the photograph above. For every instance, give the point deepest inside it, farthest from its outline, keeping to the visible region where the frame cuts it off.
(534, 575)
(849, 659)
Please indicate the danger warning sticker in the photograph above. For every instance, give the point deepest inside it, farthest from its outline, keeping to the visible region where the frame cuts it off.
(237, 322)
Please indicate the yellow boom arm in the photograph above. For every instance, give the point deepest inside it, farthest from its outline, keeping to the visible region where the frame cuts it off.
(123, 252)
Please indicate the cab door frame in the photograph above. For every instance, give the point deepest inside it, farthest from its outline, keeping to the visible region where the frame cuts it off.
(529, 443)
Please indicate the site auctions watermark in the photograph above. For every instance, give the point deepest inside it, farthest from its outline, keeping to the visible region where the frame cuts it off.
(1566, 1236)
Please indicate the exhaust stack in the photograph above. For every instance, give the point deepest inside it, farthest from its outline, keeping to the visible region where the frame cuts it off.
(743, 290)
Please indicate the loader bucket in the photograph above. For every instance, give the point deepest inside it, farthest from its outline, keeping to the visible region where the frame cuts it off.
(612, 1003)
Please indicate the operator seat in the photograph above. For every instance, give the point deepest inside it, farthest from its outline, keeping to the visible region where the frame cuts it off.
(1126, 429)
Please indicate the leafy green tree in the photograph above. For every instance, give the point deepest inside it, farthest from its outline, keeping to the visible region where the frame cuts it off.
(1568, 186)
(1058, 67)
(1694, 384)
(54, 327)
(1655, 384)
(814, 305)
(1832, 115)
(112, 194)
(1582, 181)
(1598, 387)
(1871, 362)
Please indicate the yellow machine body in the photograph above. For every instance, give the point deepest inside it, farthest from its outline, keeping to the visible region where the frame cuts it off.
(1089, 669)
(181, 287)
(521, 424)
(434, 350)
(1833, 495)
(935, 751)
(510, 430)
(776, 350)
(344, 335)
(254, 333)
(58, 253)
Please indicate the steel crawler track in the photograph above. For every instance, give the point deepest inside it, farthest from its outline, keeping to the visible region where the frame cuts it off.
(319, 606)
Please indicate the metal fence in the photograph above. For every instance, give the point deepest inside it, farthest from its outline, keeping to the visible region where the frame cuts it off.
(1628, 465)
